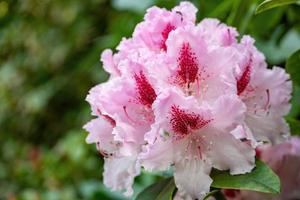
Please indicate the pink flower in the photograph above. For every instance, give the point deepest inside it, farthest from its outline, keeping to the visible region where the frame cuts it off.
(188, 136)
(284, 159)
(123, 109)
(159, 23)
(116, 176)
(197, 70)
(266, 93)
(185, 95)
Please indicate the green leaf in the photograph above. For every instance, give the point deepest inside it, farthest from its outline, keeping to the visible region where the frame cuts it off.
(295, 101)
(238, 11)
(261, 179)
(269, 4)
(241, 14)
(162, 190)
(221, 9)
(293, 67)
(294, 125)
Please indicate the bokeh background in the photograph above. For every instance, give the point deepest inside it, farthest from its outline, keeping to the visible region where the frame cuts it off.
(49, 59)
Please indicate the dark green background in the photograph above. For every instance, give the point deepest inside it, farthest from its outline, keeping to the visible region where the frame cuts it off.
(49, 59)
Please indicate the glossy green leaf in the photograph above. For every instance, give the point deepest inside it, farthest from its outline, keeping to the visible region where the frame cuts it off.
(162, 190)
(261, 179)
(295, 101)
(269, 4)
(293, 67)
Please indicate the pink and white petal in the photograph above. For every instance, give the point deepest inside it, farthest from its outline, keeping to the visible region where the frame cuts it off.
(217, 34)
(229, 111)
(281, 94)
(242, 132)
(268, 128)
(92, 99)
(125, 132)
(192, 178)
(279, 86)
(218, 78)
(155, 132)
(187, 34)
(129, 139)
(187, 10)
(228, 153)
(100, 131)
(157, 24)
(109, 64)
(107, 98)
(257, 58)
(110, 97)
(119, 173)
(157, 156)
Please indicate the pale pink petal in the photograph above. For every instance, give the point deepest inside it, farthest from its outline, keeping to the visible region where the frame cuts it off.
(158, 156)
(100, 132)
(229, 153)
(108, 62)
(92, 98)
(242, 132)
(119, 173)
(229, 111)
(217, 34)
(192, 178)
(187, 10)
(268, 128)
(187, 34)
(279, 87)
(154, 31)
(247, 46)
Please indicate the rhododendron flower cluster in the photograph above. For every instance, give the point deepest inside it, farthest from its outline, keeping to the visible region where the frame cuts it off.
(185, 96)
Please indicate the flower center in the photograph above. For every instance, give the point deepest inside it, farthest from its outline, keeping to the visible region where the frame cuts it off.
(244, 80)
(165, 34)
(183, 123)
(187, 65)
(146, 93)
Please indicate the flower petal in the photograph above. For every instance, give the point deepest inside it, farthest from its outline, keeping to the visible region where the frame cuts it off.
(230, 153)
(229, 111)
(100, 131)
(108, 62)
(268, 128)
(192, 178)
(187, 10)
(157, 156)
(119, 173)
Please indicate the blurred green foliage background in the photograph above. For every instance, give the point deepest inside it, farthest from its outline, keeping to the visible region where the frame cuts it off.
(49, 59)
